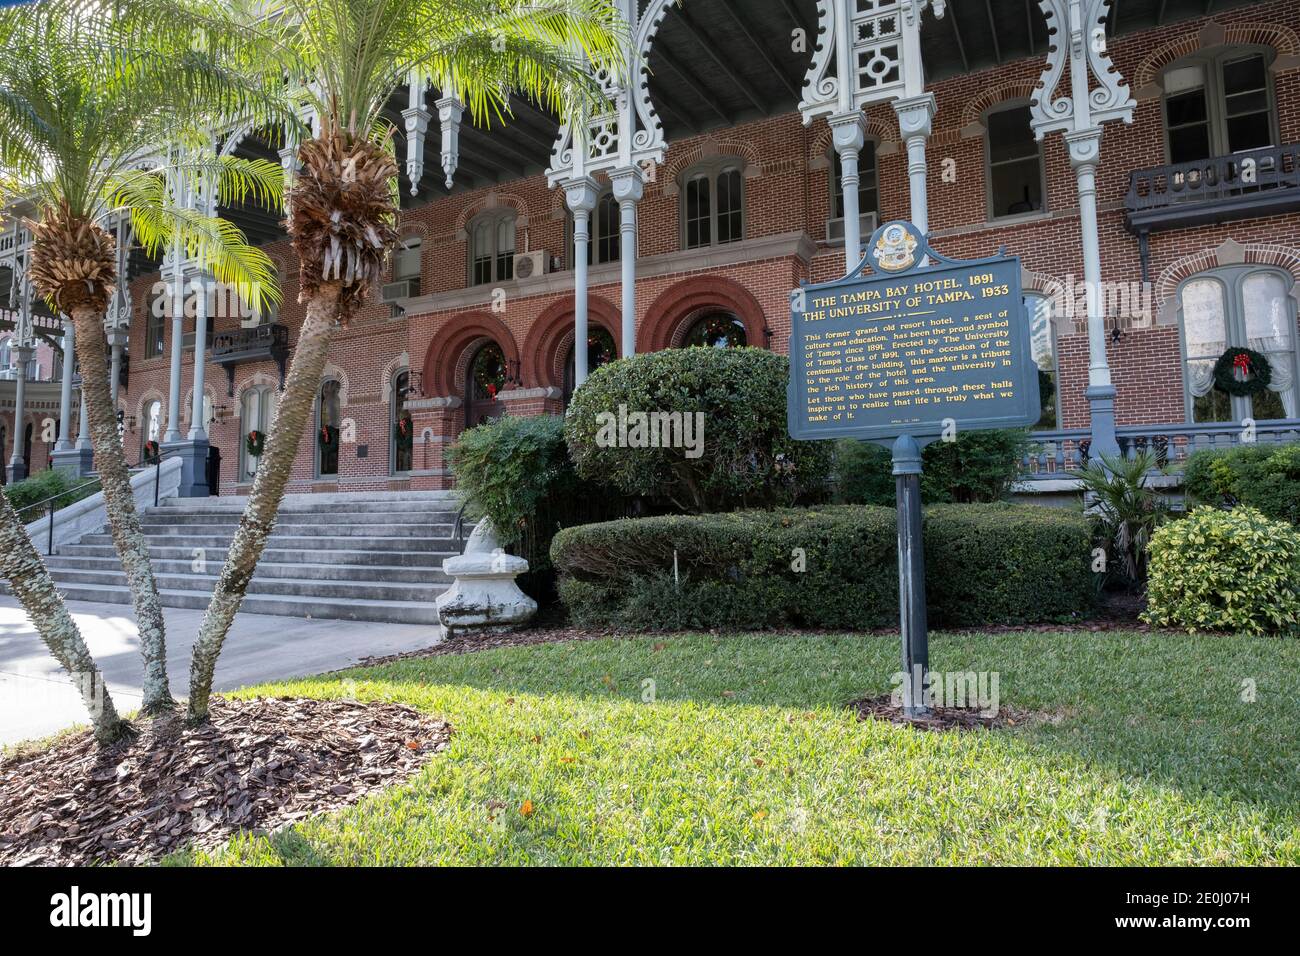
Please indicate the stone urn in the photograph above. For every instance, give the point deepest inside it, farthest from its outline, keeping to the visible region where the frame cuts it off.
(484, 596)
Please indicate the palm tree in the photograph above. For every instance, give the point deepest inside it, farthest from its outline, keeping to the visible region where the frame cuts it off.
(343, 205)
(88, 92)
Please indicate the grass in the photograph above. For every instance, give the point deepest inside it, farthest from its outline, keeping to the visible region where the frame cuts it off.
(747, 756)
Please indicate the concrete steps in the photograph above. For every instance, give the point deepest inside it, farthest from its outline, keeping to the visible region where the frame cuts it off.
(361, 557)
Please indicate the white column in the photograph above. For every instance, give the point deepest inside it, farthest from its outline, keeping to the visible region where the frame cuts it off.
(173, 432)
(915, 118)
(197, 424)
(581, 195)
(83, 425)
(64, 442)
(849, 135)
(629, 187)
(1085, 149)
(17, 466)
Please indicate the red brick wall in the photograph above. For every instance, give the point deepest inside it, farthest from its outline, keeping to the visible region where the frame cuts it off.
(787, 191)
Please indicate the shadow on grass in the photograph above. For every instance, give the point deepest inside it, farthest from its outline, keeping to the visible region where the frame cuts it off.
(1207, 715)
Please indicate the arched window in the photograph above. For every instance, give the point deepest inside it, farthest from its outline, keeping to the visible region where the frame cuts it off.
(1219, 103)
(1042, 336)
(207, 411)
(329, 419)
(603, 246)
(868, 191)
(716, 330)
(1241, 307)
(257, 409)
(492, 247)
(150, 424)
(601, 350)
(1016, 174)
(484, 381)
(713, 203)
(402, 440)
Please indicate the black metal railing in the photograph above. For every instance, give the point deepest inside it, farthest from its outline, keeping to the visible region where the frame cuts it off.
(51, 507)
(1223, 178)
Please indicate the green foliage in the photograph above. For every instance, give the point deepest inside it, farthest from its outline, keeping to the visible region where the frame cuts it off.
(1126, 511)
(47, 484)
(748, 458)
(863, 474)
(980, 466)
(1266, 477)
(1232, 571)
(832, 567)
(977, 467)
(516, 472)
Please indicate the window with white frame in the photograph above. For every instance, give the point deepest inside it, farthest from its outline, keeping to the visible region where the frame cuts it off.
(492, 247)
(1238, 307)
(1219, 103)
(713, 203)
(257, 408)
(1015, 163)
(1042, 337)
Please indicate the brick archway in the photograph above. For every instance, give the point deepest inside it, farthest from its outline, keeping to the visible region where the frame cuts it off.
(547, 346)
(669, 316)
(445, 360)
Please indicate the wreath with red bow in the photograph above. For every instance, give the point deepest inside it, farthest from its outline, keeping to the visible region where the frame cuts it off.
(328, 437)
(403, 433)
(1242, 372)
(151, 451)
(255, 443)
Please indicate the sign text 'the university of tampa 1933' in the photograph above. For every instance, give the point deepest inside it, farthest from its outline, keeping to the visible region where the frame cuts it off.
(911, 348)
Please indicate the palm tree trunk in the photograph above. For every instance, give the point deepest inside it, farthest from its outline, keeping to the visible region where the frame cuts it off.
(31, 582)
(273, 470)
(119, 501)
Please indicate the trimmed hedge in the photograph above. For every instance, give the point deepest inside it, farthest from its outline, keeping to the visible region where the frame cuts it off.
(979, 466)
(744, 457)
(835, 567)
(1225, 571)
(1266, 477)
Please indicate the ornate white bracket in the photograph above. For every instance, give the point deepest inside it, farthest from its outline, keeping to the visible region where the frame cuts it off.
(416, 120)
(450, 113)
(868, 51)
(629, 133)
(1077, 30)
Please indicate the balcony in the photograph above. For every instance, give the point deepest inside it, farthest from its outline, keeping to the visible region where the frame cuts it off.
(256, 344)
(1261, 182)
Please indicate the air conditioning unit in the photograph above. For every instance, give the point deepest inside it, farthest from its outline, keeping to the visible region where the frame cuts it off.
(835, 227)
(390, 292)
(529, 264)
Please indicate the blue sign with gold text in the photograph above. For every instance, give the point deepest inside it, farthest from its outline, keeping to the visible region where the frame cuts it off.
(911, 349)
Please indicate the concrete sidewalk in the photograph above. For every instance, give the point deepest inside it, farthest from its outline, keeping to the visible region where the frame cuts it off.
(37, 697)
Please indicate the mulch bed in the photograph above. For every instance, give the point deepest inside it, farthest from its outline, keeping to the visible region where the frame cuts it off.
(259, 765)
(939, 718)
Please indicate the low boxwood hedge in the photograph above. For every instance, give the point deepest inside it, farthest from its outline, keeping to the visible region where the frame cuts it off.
(834, 567)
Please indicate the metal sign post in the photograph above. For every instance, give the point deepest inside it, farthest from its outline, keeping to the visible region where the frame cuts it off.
(921, 348)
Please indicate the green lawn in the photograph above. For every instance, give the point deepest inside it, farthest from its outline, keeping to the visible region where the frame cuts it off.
(748, 756)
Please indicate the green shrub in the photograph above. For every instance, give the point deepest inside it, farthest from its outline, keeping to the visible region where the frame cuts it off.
(43, 485)
(1126, 511)
(516, 472)
(835, 567)
(1266, 477)
(1225, 571)
(977, 467)
(747, 457)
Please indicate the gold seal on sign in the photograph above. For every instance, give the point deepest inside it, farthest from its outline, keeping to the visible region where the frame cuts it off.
(895, 249)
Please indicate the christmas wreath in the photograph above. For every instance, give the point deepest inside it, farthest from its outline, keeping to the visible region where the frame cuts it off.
(1242, 372)
(403, 434)
(151, 451)
(254, 443)
(328, 438)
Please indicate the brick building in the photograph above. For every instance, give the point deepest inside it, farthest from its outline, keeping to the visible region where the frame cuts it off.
(745, 205)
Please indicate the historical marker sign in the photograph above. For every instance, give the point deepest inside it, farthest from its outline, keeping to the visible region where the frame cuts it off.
(908, 348)
(923, 347)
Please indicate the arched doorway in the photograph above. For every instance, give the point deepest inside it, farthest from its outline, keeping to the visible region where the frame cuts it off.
(329, 415)
(601, 350)
(716, 330)
(400, 427)
(484, 381)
